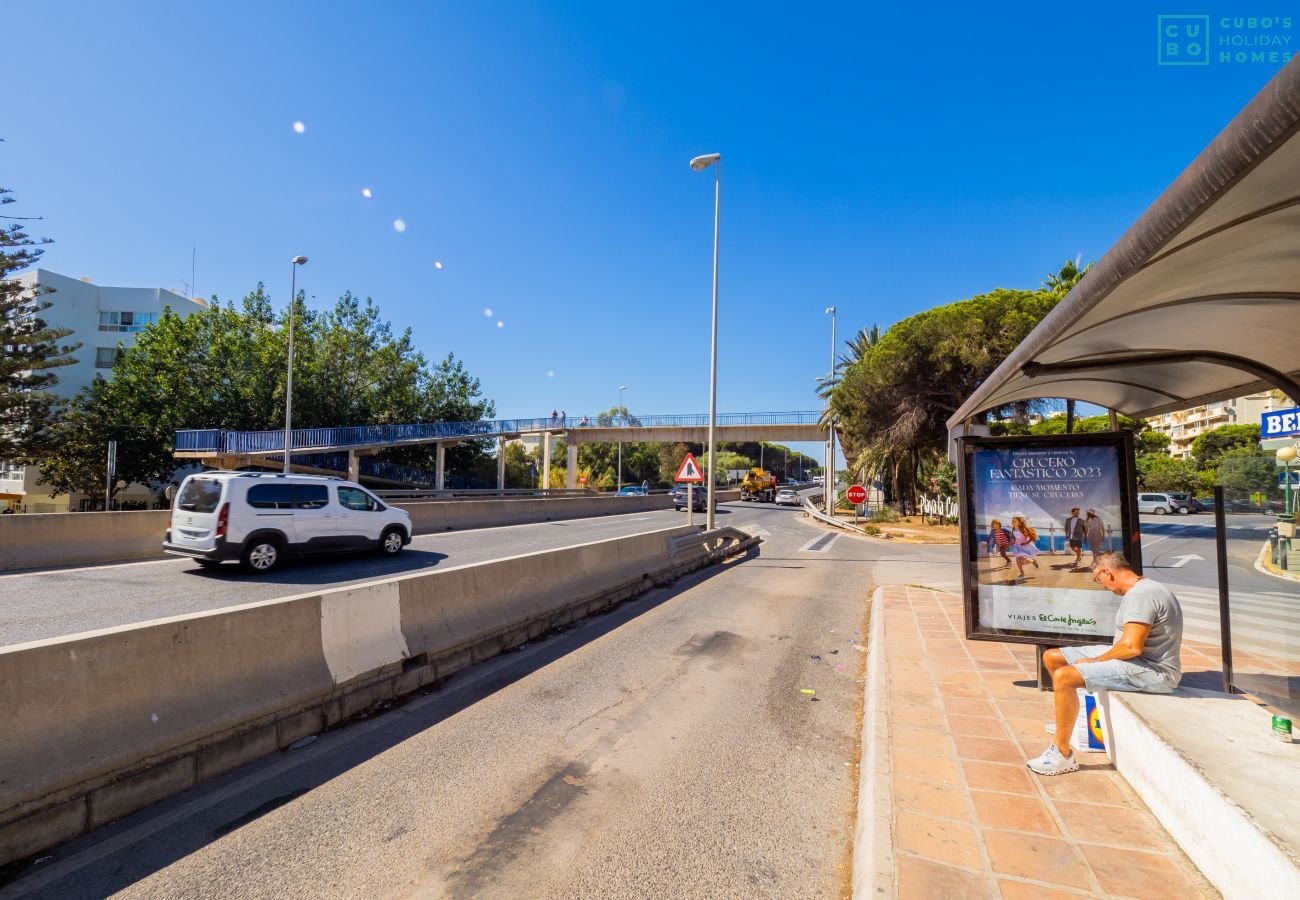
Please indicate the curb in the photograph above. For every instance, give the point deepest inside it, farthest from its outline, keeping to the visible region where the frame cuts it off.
(1264, 566)
(873, 840)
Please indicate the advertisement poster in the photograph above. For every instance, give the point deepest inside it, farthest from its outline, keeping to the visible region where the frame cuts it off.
(1038, 512)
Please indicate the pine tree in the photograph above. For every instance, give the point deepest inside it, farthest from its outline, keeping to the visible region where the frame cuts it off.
(29, 349)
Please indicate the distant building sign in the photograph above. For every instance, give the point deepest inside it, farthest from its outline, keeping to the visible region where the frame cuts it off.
(1280, 423)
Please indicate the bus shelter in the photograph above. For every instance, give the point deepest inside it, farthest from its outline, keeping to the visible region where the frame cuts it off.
(1198, 302)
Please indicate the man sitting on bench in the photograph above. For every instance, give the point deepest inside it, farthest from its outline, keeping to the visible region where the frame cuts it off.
(1144, 657)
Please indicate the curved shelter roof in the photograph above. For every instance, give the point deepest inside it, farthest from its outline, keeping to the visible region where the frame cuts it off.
(1199, 300)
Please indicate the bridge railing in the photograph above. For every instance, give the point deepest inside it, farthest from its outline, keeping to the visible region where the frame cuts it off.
(218, 441)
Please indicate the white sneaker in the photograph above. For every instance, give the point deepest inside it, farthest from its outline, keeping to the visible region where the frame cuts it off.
(1050, 728)
(1053, 763)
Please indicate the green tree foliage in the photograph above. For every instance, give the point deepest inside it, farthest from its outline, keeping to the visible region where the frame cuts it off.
(1244, 471)
(30, 353)
(1161, 472)
(1208, 448)
(892, 404)
(224, 367)
(1145, 440)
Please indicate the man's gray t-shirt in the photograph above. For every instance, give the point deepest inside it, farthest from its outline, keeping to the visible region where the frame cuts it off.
(1151, 603)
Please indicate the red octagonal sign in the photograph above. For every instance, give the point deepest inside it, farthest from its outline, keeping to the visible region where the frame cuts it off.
(857, 494)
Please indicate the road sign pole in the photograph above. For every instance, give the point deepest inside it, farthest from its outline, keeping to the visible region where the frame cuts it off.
(690, 503)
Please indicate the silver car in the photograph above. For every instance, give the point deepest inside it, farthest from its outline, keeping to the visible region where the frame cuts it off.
(787, 497)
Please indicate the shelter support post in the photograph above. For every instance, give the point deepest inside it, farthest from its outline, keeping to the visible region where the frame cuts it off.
(1114, 419)
(1044, 677)
(1221, 564)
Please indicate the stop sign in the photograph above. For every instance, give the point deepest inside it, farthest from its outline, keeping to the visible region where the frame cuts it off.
(857, 494)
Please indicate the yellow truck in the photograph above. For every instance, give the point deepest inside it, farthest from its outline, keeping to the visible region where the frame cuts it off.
(759, 484)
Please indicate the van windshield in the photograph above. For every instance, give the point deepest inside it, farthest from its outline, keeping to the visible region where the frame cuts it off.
(200, 495)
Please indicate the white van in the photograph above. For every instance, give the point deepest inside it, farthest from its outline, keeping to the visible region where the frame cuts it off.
(259, 518)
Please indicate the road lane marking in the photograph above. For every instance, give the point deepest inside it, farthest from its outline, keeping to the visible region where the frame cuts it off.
(819, 544)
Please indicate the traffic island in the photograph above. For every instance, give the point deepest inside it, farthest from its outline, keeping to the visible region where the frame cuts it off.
(947, 807)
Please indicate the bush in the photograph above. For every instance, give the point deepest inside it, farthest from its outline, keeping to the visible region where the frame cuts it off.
(884, 514)
(871, 530)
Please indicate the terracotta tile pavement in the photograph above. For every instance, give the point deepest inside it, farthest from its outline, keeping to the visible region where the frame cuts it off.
(969, 820)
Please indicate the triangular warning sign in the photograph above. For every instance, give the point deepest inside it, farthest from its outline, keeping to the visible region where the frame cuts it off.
(689, 470)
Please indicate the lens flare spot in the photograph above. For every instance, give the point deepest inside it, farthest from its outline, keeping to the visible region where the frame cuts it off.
(488, 312)
(399, 225)
(365, 192)
(550, 373)
(299, 128)
(437, 264)
(500, 324)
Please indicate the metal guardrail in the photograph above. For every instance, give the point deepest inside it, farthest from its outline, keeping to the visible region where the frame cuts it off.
(213, 440)
(486, 493)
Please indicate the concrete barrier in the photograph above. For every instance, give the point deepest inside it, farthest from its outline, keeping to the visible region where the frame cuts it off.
(92, 732)
(42, 540)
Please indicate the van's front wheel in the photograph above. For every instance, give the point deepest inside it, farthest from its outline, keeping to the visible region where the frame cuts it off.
(392, 542)
(261, 555)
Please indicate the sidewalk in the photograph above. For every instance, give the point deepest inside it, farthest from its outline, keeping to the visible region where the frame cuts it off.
(966, 817)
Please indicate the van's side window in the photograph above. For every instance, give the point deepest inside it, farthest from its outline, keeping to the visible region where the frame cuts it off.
(288, 496)
(352, 498)
(310, 496)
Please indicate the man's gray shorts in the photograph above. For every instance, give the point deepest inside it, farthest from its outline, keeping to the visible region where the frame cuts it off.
(1115, 674)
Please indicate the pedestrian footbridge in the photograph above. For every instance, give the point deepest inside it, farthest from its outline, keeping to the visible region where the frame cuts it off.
(326, 449)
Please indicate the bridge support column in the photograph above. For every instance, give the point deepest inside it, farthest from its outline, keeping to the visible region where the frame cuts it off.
(571, 471)
(354, 466)
(441, 470)
(546, 460)
(501, 464)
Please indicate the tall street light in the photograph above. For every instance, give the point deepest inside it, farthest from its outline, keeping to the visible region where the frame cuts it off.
(1285, 455)
(831, 478)
(699, 164)
(621, 389)
(288, 389)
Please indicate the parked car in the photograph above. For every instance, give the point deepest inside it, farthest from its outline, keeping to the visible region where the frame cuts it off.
(1185, 503)
(1206, 503)
(787, 497)
(262, 518)
(1160, 504)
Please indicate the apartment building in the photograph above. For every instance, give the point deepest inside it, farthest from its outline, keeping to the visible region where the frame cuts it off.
(104, 320)
(1185, 426)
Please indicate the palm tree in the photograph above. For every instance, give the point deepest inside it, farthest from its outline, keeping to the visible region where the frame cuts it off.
(1058, 285)
(1069, 275)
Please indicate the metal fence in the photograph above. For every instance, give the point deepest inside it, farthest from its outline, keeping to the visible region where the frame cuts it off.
(214, 440)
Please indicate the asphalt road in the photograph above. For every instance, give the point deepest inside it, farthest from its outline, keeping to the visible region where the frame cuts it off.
(1180, 551)
(54, 602)
(662, 749)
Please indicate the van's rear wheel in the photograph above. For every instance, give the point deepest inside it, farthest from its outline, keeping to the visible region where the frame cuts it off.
(392, 542)
(261, 555)
(1160, 510)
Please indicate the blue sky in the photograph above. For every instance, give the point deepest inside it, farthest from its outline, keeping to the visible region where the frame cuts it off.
(881, 159)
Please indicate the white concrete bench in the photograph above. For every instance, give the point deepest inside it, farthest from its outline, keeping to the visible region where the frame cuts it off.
(1224, 788)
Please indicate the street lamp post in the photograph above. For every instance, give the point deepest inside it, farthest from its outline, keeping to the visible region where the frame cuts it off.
(1285, 455)
(621, 389)
(288, 387)
(830, 427)
(699, 164)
